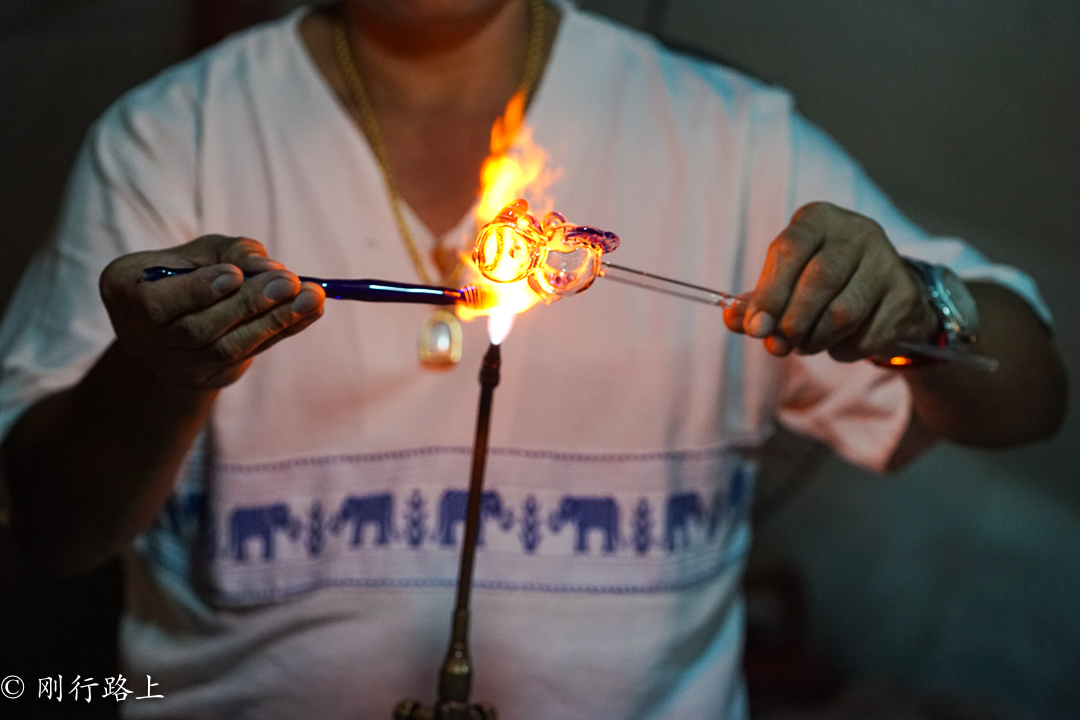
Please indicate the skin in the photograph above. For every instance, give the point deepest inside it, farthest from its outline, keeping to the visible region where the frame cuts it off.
(436, 93)
(832, 283)
(126, 426)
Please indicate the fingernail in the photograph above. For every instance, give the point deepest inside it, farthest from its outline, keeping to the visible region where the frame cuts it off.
(779, 345)
(279, 289)
(271, 263)
(305, 302)
(260, 263)
(761, 325)
(226, 282)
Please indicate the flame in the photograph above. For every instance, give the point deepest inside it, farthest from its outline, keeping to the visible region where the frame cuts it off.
(499, 323)
(515, 168)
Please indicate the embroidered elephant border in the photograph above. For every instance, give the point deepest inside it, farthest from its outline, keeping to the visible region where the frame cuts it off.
(600, 523)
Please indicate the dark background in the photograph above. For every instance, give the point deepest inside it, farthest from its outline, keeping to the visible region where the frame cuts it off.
(953, 585)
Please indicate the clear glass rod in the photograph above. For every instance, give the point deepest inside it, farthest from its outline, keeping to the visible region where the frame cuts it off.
(639, 278)
(677, 288)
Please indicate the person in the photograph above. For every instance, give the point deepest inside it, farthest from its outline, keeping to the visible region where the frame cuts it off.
(290, 521)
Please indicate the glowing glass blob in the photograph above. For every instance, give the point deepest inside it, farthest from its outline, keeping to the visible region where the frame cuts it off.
(556, 257)
(511, 246)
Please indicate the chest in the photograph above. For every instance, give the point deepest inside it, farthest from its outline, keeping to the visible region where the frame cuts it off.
(436, 159)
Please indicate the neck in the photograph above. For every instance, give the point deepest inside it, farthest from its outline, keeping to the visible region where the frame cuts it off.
(416, 57)
(436, 83)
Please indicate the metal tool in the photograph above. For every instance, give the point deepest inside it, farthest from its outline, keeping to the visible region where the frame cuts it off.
(366, 290)
(455, 678)
(677, 288)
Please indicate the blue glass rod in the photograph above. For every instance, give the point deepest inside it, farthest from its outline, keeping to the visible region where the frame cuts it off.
(366, 290)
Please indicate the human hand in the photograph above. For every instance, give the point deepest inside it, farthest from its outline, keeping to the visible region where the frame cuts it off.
(201, 330)
(833, 282)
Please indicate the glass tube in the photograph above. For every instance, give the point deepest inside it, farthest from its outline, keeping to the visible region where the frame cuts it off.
(677, 288)
(717, 298)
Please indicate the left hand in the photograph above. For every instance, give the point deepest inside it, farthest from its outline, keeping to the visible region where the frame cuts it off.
(833, 282)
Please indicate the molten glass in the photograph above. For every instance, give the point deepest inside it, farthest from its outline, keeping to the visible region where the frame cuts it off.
(511, 246)
(555, 257)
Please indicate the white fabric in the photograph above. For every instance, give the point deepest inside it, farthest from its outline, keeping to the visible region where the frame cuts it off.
(621, 417)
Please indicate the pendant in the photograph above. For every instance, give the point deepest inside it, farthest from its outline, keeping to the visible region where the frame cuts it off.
(440, 341)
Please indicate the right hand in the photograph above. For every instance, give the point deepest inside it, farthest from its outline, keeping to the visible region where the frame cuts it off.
(200, 331)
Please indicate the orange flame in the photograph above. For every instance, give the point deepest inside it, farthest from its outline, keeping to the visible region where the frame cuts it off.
(515, 168)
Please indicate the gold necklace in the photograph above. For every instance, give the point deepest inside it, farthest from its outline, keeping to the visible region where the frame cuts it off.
(440, 341)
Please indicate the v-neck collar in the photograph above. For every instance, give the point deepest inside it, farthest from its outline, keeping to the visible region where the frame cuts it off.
(463, 233)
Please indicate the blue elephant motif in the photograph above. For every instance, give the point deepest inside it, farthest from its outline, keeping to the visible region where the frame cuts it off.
(735, 501)
(181, 513)
(739, 496)
(452, 508)
(198, 504)
(260, 522)
(363, 510)
(716, 516)
(681, 509)
(589, 513)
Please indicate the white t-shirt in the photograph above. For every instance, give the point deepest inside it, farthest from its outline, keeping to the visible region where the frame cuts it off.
(306, 561)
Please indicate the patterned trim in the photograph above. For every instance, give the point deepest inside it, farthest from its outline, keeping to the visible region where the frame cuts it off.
(246, 599)
(502, 452)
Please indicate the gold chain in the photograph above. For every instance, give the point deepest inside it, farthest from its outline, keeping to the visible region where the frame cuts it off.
(344, 55)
